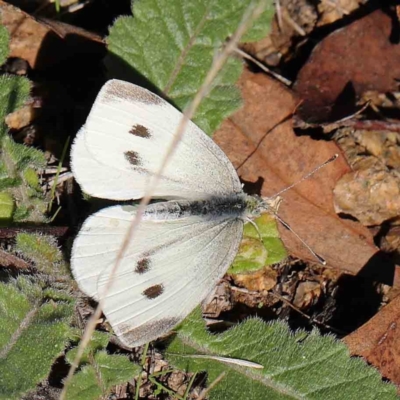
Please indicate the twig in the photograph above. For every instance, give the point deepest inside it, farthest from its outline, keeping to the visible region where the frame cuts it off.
(247, 56)
(291, 305)
(8, 260)
(290, 21)
(204, 392)
(52, 170)
(279, 14)
(312, 320)
(56, 181)
(57, 231)
(367, 125)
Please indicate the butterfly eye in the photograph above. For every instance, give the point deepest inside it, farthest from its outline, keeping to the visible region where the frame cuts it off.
(140, 131)
(153, 291)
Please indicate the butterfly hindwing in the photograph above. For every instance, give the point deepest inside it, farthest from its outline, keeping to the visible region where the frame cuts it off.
(129, 130)
(170, 266)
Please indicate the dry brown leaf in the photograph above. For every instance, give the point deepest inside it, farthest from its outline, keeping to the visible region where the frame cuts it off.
(332, 10)
(21, 117)
(261, 143)
(43, 44)
(344, 66)
(371, 194)
(218, 301)
(378, 341)
(296, 18)
(371, 191)
(264, 279)
(307, 294)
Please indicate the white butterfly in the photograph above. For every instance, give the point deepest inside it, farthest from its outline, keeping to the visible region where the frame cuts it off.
(181, 247)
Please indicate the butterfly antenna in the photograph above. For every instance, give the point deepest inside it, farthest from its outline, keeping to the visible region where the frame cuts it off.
(333, 158)
(287, 226)
(250, 221)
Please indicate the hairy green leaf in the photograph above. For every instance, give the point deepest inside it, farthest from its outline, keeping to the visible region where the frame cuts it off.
(23, 156)
(98, 342)
(6, 208)
(99, 371)
(295, 365)
(34, 329)
(17, 161)
(4, 44)
(21, 213)
(14, 92)
(171, 45)
(31, 178)
(41, 249)
(97, 379)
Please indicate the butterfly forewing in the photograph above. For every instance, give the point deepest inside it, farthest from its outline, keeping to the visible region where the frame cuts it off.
(170, 266)
(98, 177)
(129, 130)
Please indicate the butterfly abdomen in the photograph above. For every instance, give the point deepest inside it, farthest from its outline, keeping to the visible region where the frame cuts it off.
(214, 207)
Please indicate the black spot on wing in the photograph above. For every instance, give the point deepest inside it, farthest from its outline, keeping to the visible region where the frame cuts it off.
(140, 131)
(153, 291)
(133, 158)
(142, 266)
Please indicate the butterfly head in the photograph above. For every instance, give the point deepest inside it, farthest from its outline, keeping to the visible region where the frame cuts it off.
(256, 205)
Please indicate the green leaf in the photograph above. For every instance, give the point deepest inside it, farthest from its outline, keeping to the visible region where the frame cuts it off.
(17, 161)
(84, 385)
(23, 156)
(295, 365)
(31, 178)
(33, 333)
(96, 380)
(14, 92)
(171, 44)
(115, 368)
(99, 371)
(6, 181)
(99, 341)
(4, 44)
(254, 253)
(6, 208)
(21, 213)
(18, 177)
(41, 249)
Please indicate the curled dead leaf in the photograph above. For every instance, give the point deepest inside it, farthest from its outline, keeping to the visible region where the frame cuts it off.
(344, 66)
(263, 279)
(378, 341)
(21, 117)
(307, 294)
(370, 194)
(218, 301)
(31, 39)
